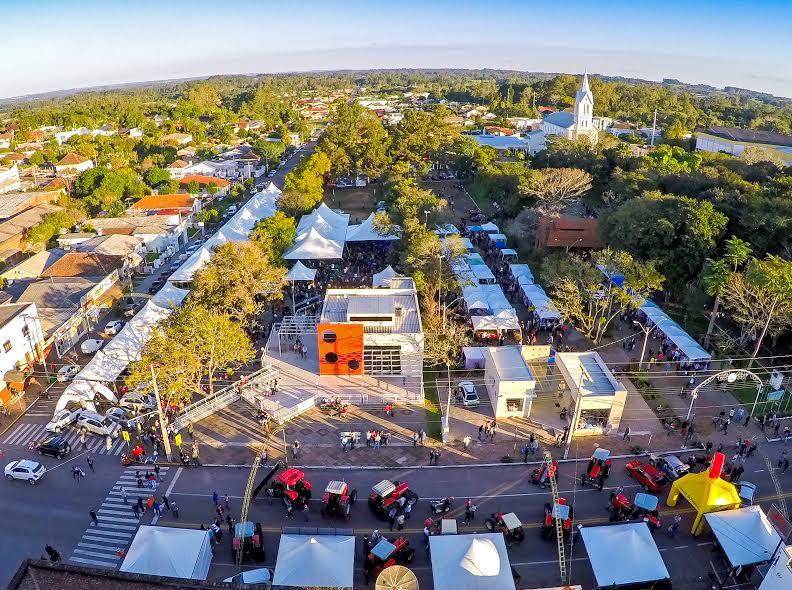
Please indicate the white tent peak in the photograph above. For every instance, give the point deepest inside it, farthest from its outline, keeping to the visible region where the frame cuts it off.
(481, 558)
(313, 540)
(300, 272)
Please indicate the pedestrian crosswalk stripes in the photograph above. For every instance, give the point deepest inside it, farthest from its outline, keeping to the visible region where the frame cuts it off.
(26, 433)
(100, 545)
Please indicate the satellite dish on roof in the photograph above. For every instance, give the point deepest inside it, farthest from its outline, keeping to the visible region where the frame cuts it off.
(396, 577)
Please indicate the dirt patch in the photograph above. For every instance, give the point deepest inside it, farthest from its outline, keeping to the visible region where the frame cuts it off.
(358, 202)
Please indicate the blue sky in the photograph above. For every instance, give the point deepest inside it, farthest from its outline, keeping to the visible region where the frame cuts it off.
(50, 45)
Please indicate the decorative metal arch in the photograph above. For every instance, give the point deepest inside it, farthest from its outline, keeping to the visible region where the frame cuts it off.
(730, 376)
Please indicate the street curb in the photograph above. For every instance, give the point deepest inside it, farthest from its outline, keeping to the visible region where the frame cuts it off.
(467, 466)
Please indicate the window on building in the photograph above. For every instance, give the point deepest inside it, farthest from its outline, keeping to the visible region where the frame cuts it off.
(515, 404)
(7, 346)
(382, 360)
(25, 330)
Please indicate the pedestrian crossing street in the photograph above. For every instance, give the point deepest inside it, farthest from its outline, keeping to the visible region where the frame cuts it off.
(100, 545)
(25, 433)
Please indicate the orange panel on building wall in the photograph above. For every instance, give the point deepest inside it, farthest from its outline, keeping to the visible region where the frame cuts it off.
(340, 349)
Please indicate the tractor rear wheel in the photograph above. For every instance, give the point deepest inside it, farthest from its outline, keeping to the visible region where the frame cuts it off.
(353, 496)
(490, 524)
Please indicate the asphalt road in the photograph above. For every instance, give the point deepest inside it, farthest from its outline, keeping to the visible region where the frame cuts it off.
(503, 488)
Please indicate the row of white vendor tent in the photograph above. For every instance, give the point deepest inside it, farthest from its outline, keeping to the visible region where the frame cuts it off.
(126, 347)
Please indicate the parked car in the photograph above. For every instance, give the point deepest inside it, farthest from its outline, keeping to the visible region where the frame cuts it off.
(466, 393)
(113, 327)
(175, 266)
(62, 419)
(97, 424)
(191, 249)
(121, 417)
(156, 285)
(646, 475)
(232, 209)
(26, 470)
(130, 308)
(257, 576)
(138, 402)
(271, 173)
(68, 372)
(54, 446)
(670, 465)
(91, 345)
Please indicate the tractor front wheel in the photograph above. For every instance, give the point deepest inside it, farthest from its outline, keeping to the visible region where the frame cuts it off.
(490, 524)
(353, 496)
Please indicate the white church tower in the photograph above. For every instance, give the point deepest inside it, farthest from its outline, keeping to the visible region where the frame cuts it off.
(584, 109)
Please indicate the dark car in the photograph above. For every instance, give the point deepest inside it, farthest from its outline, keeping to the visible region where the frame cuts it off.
(54, 446)
(156, 285)
(670, 465)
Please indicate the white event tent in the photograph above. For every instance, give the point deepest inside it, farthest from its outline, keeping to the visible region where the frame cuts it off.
(320, 235)
(521, 273)
(382, 278)
(534, 295)
(196, 261)
(311, 561)
(639, 560)
(472, 562)
(687, 346)
(366, 232)
(746, 535)
(300, 272)
(169, 552)
(84, 392)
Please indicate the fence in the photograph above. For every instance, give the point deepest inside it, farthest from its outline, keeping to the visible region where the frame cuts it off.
(222, 398)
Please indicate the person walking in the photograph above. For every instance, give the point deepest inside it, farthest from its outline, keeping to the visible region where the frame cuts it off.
(415, 439)
(725, 428)
(124, 495)
(480, 431)
(400, 521)
(296, 450)
(108, 442)
(156, 506)
(94, 518)
(136, 510)
(674, 525)
(191, 430)
(784, 465)
(215, 499)
(525, 451)
(431, 456)
(195, 460)
(157, 472)
(392, 517)
(140, 504)
(230, 523)
(493, 430)
(421, 436)
(627, 431)
(84, 441)
(466, 443)
(174, 509)
(226, 502)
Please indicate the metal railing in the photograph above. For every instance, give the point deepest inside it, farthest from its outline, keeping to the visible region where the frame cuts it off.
(222, 398)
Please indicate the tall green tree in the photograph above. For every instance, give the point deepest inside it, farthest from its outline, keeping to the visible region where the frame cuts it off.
(678, 233)
(188, 349)
(355, 141)
(274, 234)
(237, 280)
(717, 272)
(303, 187)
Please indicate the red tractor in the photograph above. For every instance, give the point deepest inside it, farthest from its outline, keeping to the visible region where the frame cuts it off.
(541, 475)
(643, 506)
(292, 486)
(559, 511)
(508, 524)
(248, 539)
(337, 499)
(598, 469)
(386, 493)
(385, 553)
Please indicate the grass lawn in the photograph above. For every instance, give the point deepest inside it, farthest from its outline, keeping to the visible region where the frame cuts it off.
(432, 406)
(358, 202)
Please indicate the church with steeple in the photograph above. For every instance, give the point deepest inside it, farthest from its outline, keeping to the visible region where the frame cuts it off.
(578, 123)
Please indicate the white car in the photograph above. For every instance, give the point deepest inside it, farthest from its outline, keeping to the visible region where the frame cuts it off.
(138, 402)
(62, 419)
(68, 372)
(113, 327)
(91, 345)
(97, 424)
(466, 391)
(26, 470)
(257, 576)
(191, 249)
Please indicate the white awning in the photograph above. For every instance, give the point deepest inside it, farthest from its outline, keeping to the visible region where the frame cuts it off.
(193, 264)
(540, 301)
(489, 228)
(170, 552)
(470, 562)
(746, 535)
(300, 272)
(521, 273)
(638, 560)
(310, 561)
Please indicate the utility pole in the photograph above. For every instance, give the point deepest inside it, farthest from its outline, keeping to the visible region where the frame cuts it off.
(161, 414)
(654, 128)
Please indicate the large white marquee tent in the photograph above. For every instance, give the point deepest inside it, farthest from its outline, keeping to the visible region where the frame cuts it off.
(320, 235)
(169, 552)
(472, 562)
(311, 561)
